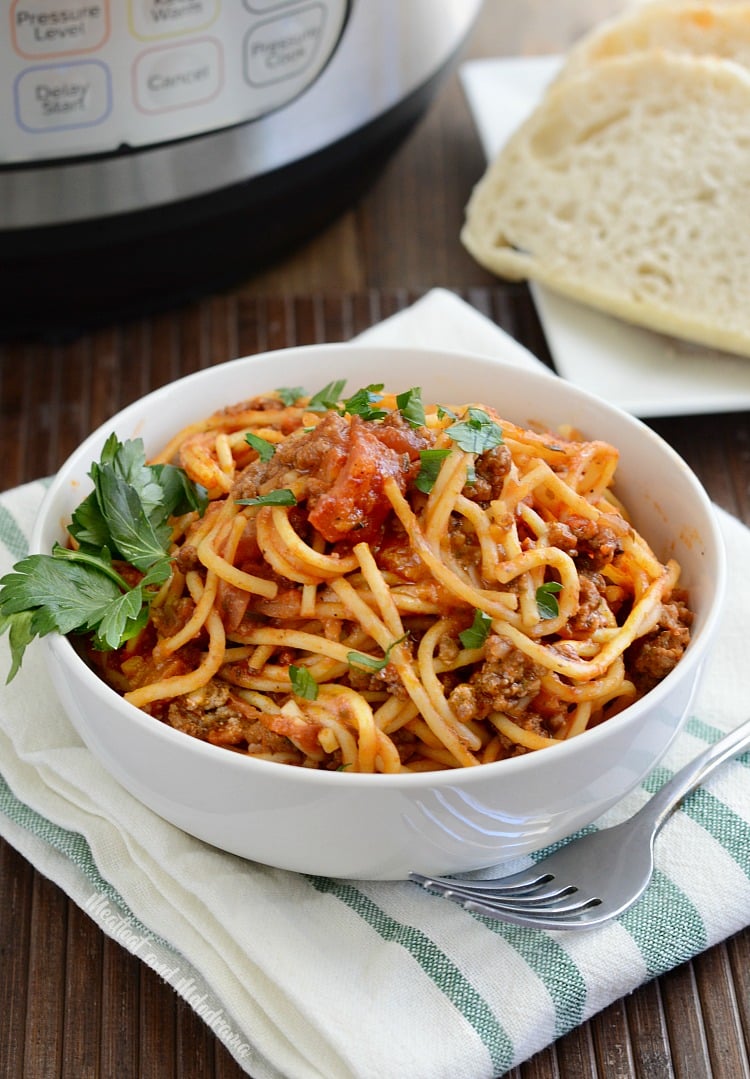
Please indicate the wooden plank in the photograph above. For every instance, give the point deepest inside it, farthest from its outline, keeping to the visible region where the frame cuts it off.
(738, 950)
(614, 1050)
(16, 892)
(122, 1017)
(157, 1027)
(82, 1017)
(718, 994)
(685, 1024)
(576, 1054)
(43, 1043)
(647, 1033)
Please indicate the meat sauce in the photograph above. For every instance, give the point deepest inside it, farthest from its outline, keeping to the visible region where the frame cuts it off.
(337, 472)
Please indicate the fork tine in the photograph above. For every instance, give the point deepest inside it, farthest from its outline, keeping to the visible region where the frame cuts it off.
(515, 884)
(574, 917)
(525, 885)
(579, 913)
(548, 900)
(527, 901)
(573, 904)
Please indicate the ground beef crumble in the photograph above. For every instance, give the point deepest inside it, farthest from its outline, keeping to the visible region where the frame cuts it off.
(214, 714)
(593, 543)
(490, 470)
(589, 615)
(506, 682)
(650, 659)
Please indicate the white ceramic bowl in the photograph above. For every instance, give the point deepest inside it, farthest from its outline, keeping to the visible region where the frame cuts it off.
(376, 826)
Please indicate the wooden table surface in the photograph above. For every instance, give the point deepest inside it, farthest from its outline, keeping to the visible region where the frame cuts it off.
(74, 1004)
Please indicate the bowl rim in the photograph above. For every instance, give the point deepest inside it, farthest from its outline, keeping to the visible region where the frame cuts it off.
(64, 652)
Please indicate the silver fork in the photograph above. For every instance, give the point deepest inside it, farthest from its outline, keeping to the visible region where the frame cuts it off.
(596, 877)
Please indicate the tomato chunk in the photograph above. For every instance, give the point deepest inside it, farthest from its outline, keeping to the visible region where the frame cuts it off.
(355, 506)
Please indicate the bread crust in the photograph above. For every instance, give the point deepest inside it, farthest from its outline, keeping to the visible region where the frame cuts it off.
(691, 29)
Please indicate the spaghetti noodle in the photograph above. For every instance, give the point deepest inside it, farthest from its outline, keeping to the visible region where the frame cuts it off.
(380, 587)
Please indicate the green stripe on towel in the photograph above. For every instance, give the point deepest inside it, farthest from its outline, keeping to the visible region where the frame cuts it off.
(721, 822)
(553, 966)
(665, 925)
(12, 535)
(435, 963)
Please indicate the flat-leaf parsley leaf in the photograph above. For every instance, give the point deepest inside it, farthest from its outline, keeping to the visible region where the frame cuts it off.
(476, 432)
(359, 659)
(282, 497)
(478, 631)
(328, 397)
(303, 683)
(430, 463)
(362, 402)
(546, 601)
(411, 407)
(262, 446)
(290, 394)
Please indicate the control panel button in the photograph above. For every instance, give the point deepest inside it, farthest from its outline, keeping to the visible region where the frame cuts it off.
(284, 46)
(85, 77)
(46, 28)
(167, 18)
(63, 96)
(178, 76)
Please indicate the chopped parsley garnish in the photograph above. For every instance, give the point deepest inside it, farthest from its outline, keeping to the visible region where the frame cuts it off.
(361, 403)
(477, 633)
(546, 602)
(429, 468)
(290, 394)
(476, 432)
(303, 683)
(328, 397)
(262, 446)
(411, 408)
(124, 519)
(282, 497)
(359, 659)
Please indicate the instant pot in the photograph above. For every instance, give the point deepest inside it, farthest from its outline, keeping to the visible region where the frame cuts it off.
(153, 149)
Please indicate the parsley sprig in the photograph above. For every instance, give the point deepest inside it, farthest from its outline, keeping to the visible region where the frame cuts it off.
(124, 519)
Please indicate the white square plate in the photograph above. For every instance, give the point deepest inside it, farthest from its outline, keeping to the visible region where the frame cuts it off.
(645, 373)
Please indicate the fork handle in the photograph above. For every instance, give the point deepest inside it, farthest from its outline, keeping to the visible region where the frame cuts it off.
(667, 798)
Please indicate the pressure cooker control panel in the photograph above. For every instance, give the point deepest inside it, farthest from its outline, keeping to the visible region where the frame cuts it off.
(80, 78)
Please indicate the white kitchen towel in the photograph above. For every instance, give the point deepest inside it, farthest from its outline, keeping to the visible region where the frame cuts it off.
(309, 978)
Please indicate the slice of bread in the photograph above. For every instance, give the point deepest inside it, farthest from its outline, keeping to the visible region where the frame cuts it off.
(628, 189)
(691, 28)
(681, 3)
